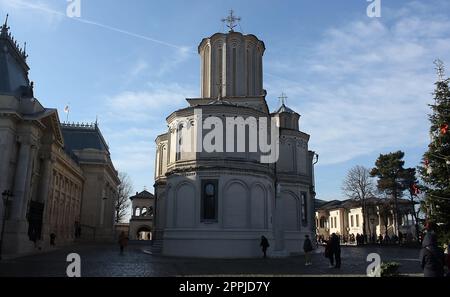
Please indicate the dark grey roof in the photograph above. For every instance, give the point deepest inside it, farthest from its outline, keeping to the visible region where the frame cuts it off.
(318, 203)
(284, 108)
(78, 137)
(13, 66)
(350, 203)
(144, 194)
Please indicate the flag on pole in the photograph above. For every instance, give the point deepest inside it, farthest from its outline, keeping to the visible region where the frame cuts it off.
(67, 110)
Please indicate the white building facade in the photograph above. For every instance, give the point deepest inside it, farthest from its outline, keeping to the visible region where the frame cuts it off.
(219, 202)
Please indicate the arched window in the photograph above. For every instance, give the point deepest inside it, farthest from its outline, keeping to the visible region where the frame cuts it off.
(137, 212)
(209, 200)
(179, 142)
(144, 212)
(304, 209)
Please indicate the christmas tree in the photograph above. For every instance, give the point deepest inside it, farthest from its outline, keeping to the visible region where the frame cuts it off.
(435, 170)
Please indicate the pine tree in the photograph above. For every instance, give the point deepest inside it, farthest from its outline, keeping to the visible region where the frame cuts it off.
(435, 170)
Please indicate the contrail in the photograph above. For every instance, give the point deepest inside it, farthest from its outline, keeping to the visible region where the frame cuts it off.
(85, 21)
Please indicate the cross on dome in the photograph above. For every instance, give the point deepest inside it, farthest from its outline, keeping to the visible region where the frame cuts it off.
(283, 98)
(231, 20)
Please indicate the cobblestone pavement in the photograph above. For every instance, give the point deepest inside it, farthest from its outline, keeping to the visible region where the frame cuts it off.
(105, 260)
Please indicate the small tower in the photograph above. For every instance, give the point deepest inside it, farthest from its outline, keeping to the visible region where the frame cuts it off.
(286, 117)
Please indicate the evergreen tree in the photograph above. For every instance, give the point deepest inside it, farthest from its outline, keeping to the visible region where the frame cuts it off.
(435, 170)
(392, 179)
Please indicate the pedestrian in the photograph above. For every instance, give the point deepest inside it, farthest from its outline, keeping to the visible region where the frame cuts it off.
(307, 248)
(329, 252)
(52, 239)
(264, 245)
(123, 241)
(431, 256)
(336, 250)
(380, 239)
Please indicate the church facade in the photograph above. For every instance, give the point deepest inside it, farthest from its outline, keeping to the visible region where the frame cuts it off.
(55, 178)
(220, 195)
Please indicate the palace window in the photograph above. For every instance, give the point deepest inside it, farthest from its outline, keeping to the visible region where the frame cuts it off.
(209, 201)
(357, 220)
(351, 221)
(323, 221)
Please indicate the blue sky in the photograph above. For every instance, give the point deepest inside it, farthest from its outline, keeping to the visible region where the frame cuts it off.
(361, 84)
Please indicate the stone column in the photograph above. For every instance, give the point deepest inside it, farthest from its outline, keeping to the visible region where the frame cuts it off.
(102, 208)
(20, 181)
(46, 178)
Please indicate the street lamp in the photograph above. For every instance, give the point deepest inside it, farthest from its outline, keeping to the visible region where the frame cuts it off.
(6, 194)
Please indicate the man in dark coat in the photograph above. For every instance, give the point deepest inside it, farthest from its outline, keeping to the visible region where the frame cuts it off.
(307, 248)
(431, 256)
(264, 245)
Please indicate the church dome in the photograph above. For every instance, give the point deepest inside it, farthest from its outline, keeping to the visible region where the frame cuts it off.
(233, 62)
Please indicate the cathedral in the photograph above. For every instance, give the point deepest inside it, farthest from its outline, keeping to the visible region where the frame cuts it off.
(216, 192)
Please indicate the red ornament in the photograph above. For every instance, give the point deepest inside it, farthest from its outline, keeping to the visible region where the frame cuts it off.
(427, 163)
(415, 190)
(444, 129)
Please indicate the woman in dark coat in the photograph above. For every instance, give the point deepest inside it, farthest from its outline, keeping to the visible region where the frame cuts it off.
(264, 245)
(431, 256)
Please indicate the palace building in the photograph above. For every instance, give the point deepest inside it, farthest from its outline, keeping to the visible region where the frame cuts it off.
(57, 180)
(219, 202)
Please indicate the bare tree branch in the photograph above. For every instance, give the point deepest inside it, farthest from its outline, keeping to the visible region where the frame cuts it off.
(123, 194)
(358, 185)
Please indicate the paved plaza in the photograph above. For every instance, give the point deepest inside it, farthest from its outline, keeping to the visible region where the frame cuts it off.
(105, 260)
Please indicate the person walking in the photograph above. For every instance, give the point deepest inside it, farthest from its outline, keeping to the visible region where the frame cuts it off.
(264, 245)
(329, 252)
(123, 241)
(336, 250)
(52, 239)
(431, 256)
(307, 248)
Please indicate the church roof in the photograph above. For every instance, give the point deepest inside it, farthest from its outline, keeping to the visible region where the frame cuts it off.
(284, 108)
(144, 194)
(83, 136)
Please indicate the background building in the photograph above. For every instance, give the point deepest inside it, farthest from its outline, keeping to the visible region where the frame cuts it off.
(61, 176)
(346, 218)
(141, 222)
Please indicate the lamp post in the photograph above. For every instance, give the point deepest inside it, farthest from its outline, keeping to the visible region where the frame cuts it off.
(5, 195)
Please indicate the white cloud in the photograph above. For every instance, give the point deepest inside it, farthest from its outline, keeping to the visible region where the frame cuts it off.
(41, 11)
(367, 84)
(132, 122)
(148, 104)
